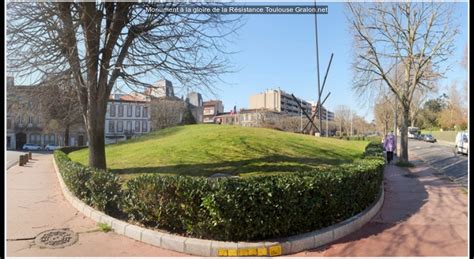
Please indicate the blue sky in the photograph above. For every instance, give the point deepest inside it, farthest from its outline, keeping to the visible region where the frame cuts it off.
(279, 51)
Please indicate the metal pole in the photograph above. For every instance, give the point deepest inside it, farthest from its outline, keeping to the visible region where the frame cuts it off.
(317, 64)
(301, 118)
(327, 123)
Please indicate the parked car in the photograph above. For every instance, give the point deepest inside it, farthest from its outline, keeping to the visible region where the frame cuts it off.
(462, 143)
(420, 137)
(51, 147)
(429, 138)
(29, 146)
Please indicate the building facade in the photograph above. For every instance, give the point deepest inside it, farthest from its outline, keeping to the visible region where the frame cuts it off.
(249, 117)
(325, 113)
(211, 109)
(26, 124)
(127, 116)
(279, 101)
(195, 104)
(162, 88)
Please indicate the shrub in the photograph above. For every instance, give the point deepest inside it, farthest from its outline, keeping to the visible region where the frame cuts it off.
(254, 208)
(236, 209)
(98, 188)
(104, 191)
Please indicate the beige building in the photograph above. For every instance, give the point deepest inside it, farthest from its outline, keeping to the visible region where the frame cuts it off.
(26, 124)
(249, 117)
(279, 101)
(127, 116)
(325, 113)
(211, 109)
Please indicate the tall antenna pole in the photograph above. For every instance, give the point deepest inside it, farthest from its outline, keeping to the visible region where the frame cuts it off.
(317, 67)
(327, 123)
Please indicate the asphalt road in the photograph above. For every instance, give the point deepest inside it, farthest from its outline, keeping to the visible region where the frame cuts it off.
(442, 158)
(12, 157)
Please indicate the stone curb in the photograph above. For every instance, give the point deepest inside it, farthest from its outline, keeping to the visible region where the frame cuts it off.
(203, 247)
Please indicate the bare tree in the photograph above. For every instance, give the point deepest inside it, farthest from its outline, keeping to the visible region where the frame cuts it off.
(59, 105)
(384, 114)
(166, 112)
(107, 43)
(454, 116)
(342, 116)
(401, 44)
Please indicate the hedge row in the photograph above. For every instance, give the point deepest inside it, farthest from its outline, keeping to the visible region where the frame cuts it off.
(98, 188)
(362, 137)
(236, 209)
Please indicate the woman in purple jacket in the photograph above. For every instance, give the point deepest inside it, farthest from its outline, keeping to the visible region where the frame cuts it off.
(389, 146)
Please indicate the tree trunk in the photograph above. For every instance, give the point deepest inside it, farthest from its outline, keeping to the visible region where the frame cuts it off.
(66, 136)
(404, 135)
(96, 134)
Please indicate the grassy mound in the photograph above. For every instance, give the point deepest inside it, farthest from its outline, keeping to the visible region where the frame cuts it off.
(203, 150)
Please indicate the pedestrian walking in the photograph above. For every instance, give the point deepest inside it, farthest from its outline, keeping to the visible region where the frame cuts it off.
(389, 146)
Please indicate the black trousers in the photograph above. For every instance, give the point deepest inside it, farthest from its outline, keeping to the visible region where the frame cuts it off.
(389, 156)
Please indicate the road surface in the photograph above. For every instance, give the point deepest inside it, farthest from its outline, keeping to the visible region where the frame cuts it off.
(12, 158)
(442, 158)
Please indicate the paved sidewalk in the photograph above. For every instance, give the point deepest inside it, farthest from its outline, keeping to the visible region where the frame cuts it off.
(422, 215)
(35, 203)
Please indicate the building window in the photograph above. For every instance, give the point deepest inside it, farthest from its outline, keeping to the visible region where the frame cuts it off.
(119, 126)
(137, 126)
(120, 110)
(35, 139)
(129, 126)
(9, 123)
(144, 126)
(137, 111)
(145, 112)
(112, 126)
(129, 111)
(49, 139)
(112, 110)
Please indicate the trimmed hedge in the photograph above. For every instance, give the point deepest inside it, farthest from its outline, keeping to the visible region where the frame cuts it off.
(98, 188)
(238, 209)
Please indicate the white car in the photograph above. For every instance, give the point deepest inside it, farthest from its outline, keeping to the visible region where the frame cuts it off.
(51, 147)
(29, 146)
(462, 142)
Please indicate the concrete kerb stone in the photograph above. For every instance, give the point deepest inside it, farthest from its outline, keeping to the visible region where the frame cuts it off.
(134, 232)
(202, 247)
(197, 246)
(151, 237)
(119, 226)
(173, 242)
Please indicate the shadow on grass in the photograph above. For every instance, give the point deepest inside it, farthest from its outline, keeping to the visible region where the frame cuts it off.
(264, 165)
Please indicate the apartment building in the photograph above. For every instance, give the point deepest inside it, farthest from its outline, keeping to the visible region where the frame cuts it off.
(248, 117)
(325, 113)
(26, 124)
(279, 101)
(127, 116)
(211, 109)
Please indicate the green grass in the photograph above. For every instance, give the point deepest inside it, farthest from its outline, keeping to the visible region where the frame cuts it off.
(203, 150)
(104, 227)
(449, 136)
